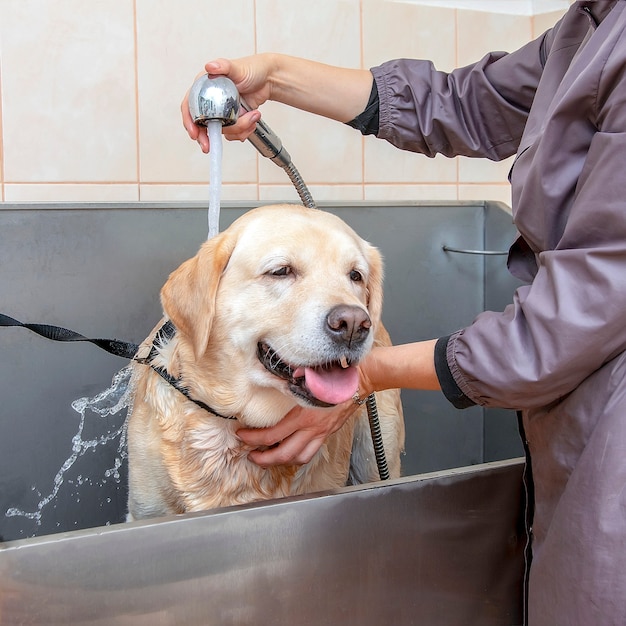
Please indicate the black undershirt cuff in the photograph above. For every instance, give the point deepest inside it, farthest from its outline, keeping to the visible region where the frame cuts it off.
(448, 385)
(367, 122)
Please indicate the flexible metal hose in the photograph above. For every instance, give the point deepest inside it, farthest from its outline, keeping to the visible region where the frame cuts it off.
(377, 438)
(301, 188)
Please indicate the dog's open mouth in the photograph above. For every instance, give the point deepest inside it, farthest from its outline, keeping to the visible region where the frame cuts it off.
(322, 385)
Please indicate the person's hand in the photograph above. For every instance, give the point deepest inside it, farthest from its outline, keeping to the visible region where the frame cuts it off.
(299, 435)
(251, 77)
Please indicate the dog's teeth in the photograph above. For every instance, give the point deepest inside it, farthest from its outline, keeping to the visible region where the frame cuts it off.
(344, 362)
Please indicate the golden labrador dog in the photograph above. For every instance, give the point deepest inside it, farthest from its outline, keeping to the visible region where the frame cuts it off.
(273, 312)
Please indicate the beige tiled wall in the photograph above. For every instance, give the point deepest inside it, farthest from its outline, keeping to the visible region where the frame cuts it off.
(90, 94)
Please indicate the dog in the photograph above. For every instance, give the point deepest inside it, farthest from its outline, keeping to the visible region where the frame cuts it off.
(275, 311)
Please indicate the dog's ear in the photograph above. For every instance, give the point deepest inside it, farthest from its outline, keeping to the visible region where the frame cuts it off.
(188, 296)
(375, 283)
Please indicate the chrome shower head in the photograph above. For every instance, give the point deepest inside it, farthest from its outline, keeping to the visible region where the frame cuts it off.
(213, 99)
(218, 99)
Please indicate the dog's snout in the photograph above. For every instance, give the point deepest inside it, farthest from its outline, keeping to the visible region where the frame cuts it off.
(348, 324)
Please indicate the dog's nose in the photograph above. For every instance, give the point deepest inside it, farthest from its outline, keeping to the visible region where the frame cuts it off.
(348, 324)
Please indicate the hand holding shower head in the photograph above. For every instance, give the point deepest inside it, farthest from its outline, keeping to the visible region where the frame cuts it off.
(218, 99)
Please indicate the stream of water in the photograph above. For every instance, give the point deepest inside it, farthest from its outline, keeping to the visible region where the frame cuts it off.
(214, 130)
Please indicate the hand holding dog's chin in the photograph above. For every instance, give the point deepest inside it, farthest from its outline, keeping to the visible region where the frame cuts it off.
(299, 435)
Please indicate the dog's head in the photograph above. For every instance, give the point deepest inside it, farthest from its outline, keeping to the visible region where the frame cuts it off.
(285, 300)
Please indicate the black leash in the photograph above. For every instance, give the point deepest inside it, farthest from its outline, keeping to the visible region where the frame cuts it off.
(56, 333)
(119, 348)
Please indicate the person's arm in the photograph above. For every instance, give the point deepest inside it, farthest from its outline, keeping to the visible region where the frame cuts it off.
(303, 430)
(334, 92)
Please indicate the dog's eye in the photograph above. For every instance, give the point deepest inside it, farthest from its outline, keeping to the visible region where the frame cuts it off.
(285, 270)
(356, 276)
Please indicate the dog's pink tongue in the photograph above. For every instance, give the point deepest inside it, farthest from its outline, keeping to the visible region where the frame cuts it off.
(333, 385)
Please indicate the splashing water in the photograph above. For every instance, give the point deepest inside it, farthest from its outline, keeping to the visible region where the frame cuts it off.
(214, 130)
(109, 402)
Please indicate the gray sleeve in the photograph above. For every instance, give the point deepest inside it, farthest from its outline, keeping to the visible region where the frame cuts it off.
(477, 111)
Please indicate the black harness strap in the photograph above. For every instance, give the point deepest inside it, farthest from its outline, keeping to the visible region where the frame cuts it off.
(119, 348)
(163, 335)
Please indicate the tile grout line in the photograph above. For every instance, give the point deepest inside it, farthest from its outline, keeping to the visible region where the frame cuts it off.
(456, 64)
(257, 155)
(136, 77)
(362, 64)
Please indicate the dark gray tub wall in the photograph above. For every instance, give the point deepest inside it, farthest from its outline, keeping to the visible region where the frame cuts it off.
(97, 269)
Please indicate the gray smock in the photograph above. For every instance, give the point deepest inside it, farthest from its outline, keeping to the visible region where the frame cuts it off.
(556, 354)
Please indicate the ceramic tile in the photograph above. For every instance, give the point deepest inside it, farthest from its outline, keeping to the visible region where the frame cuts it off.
(386, 193)
(541, 23)
(385, 163)
(112, 110)
(68, 91)
(336, 193)
(322, 150)
(513, 7)
(480, 32)
(1, 134)
(500, 193)
(274, 194)
(195, 193)
(321, 193)
(402, 30)
(239, 165)
(484, 170)
(172, 47)
(70, 193)
(326, 30)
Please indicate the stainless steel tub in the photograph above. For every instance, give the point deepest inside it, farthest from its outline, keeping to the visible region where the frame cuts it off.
(442, 549)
